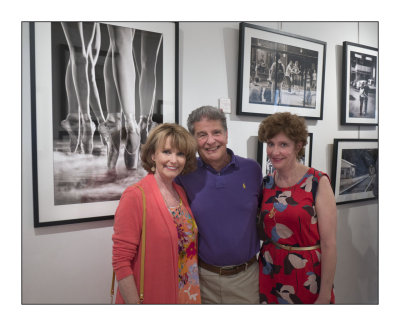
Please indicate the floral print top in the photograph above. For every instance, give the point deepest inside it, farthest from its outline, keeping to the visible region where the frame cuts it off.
(189, 286)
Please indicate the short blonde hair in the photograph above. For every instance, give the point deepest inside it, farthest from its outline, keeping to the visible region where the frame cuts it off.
(181, 139)
(293, 126)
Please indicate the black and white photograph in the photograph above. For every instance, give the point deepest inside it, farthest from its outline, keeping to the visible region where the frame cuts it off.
(360, 85)
(265, 163)
(355, 170)
(280, 72)
(108, 86)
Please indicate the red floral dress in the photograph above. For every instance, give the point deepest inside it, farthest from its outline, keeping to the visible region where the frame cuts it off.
(189, 286)
(289, 218)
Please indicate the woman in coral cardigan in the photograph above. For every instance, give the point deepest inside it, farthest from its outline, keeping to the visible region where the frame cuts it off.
(171, 271)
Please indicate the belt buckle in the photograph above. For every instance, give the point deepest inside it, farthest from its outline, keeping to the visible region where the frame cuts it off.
(221, 269)
(234, 268)
(227, 269)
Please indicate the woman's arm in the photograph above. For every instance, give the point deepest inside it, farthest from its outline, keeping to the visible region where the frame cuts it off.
(128, 290)
(325, 206)
(126, 238)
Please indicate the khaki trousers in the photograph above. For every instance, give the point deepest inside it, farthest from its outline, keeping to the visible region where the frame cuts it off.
(241, 288)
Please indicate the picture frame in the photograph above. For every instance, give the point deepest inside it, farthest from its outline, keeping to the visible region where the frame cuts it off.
(265, 163)
(72, 179)
(355, 170)
(280, 72)
(360, 85)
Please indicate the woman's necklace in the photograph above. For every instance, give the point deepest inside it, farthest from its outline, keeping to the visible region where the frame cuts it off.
(171, 199)
(169, 194)
(175, 203)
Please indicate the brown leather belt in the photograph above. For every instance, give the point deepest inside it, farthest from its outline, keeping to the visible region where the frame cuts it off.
(231, 270)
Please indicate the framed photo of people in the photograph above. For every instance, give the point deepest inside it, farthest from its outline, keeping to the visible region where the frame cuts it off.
(360, 85)
(97, 89)
(280, 72)
(266, 165)
(355, 170)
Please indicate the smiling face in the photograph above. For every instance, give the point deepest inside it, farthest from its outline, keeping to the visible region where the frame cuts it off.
(211, 142)
(169, 161)
(282, 151)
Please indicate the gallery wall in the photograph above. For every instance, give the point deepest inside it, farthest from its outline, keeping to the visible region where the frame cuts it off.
(72, 263)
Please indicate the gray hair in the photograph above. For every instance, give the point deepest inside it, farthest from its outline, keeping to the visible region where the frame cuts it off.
(206, 112)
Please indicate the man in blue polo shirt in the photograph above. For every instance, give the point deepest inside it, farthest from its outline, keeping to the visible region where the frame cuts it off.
(224, 194)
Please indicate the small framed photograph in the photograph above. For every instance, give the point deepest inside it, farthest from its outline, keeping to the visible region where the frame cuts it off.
(266, 164)
(359, 85)
(79, 84)
(280, 72)
(355, 170)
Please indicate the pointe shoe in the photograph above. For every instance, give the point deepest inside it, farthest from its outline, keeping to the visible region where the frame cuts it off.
(143, 130)
(102, 140)
(153, 124)
(111, 133)
(73, 128)
(145, 126)
(88, 129)
(131, 154)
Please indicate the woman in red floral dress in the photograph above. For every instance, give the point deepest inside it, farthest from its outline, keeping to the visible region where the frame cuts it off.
(298, 214)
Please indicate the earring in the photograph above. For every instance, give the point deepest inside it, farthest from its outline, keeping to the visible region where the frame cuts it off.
(153, 169)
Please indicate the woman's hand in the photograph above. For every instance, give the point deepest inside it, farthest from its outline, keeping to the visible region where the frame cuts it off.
(321, 300)
(128, 290)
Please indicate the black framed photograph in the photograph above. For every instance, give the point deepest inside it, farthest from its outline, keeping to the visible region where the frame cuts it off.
(280, 72)
(97, 90)
(266, 165)
(355, 170)
(359, 85)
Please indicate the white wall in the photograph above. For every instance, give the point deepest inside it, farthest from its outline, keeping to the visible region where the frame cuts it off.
(60, 264)
(72, 264)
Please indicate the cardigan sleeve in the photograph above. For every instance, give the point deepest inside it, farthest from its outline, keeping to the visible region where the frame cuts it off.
(127, 230)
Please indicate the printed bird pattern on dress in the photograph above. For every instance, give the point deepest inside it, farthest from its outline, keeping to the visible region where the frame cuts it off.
(189, 285)
(288, 217)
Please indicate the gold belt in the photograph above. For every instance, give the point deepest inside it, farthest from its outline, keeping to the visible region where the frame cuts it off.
(291, 248)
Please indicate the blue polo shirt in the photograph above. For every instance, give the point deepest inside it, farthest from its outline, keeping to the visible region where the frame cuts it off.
(225, 206)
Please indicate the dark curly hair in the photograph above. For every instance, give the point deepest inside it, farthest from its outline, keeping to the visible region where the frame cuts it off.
(293, 126)
(181, 139)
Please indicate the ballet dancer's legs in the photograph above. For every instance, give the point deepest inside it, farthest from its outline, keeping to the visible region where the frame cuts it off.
(72, 122)
(79, 70)
(150, 46)
(111, 128)
(93, 55)
(121, 40)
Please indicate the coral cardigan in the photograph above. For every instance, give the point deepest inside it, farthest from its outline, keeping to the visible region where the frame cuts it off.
(161, 260)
